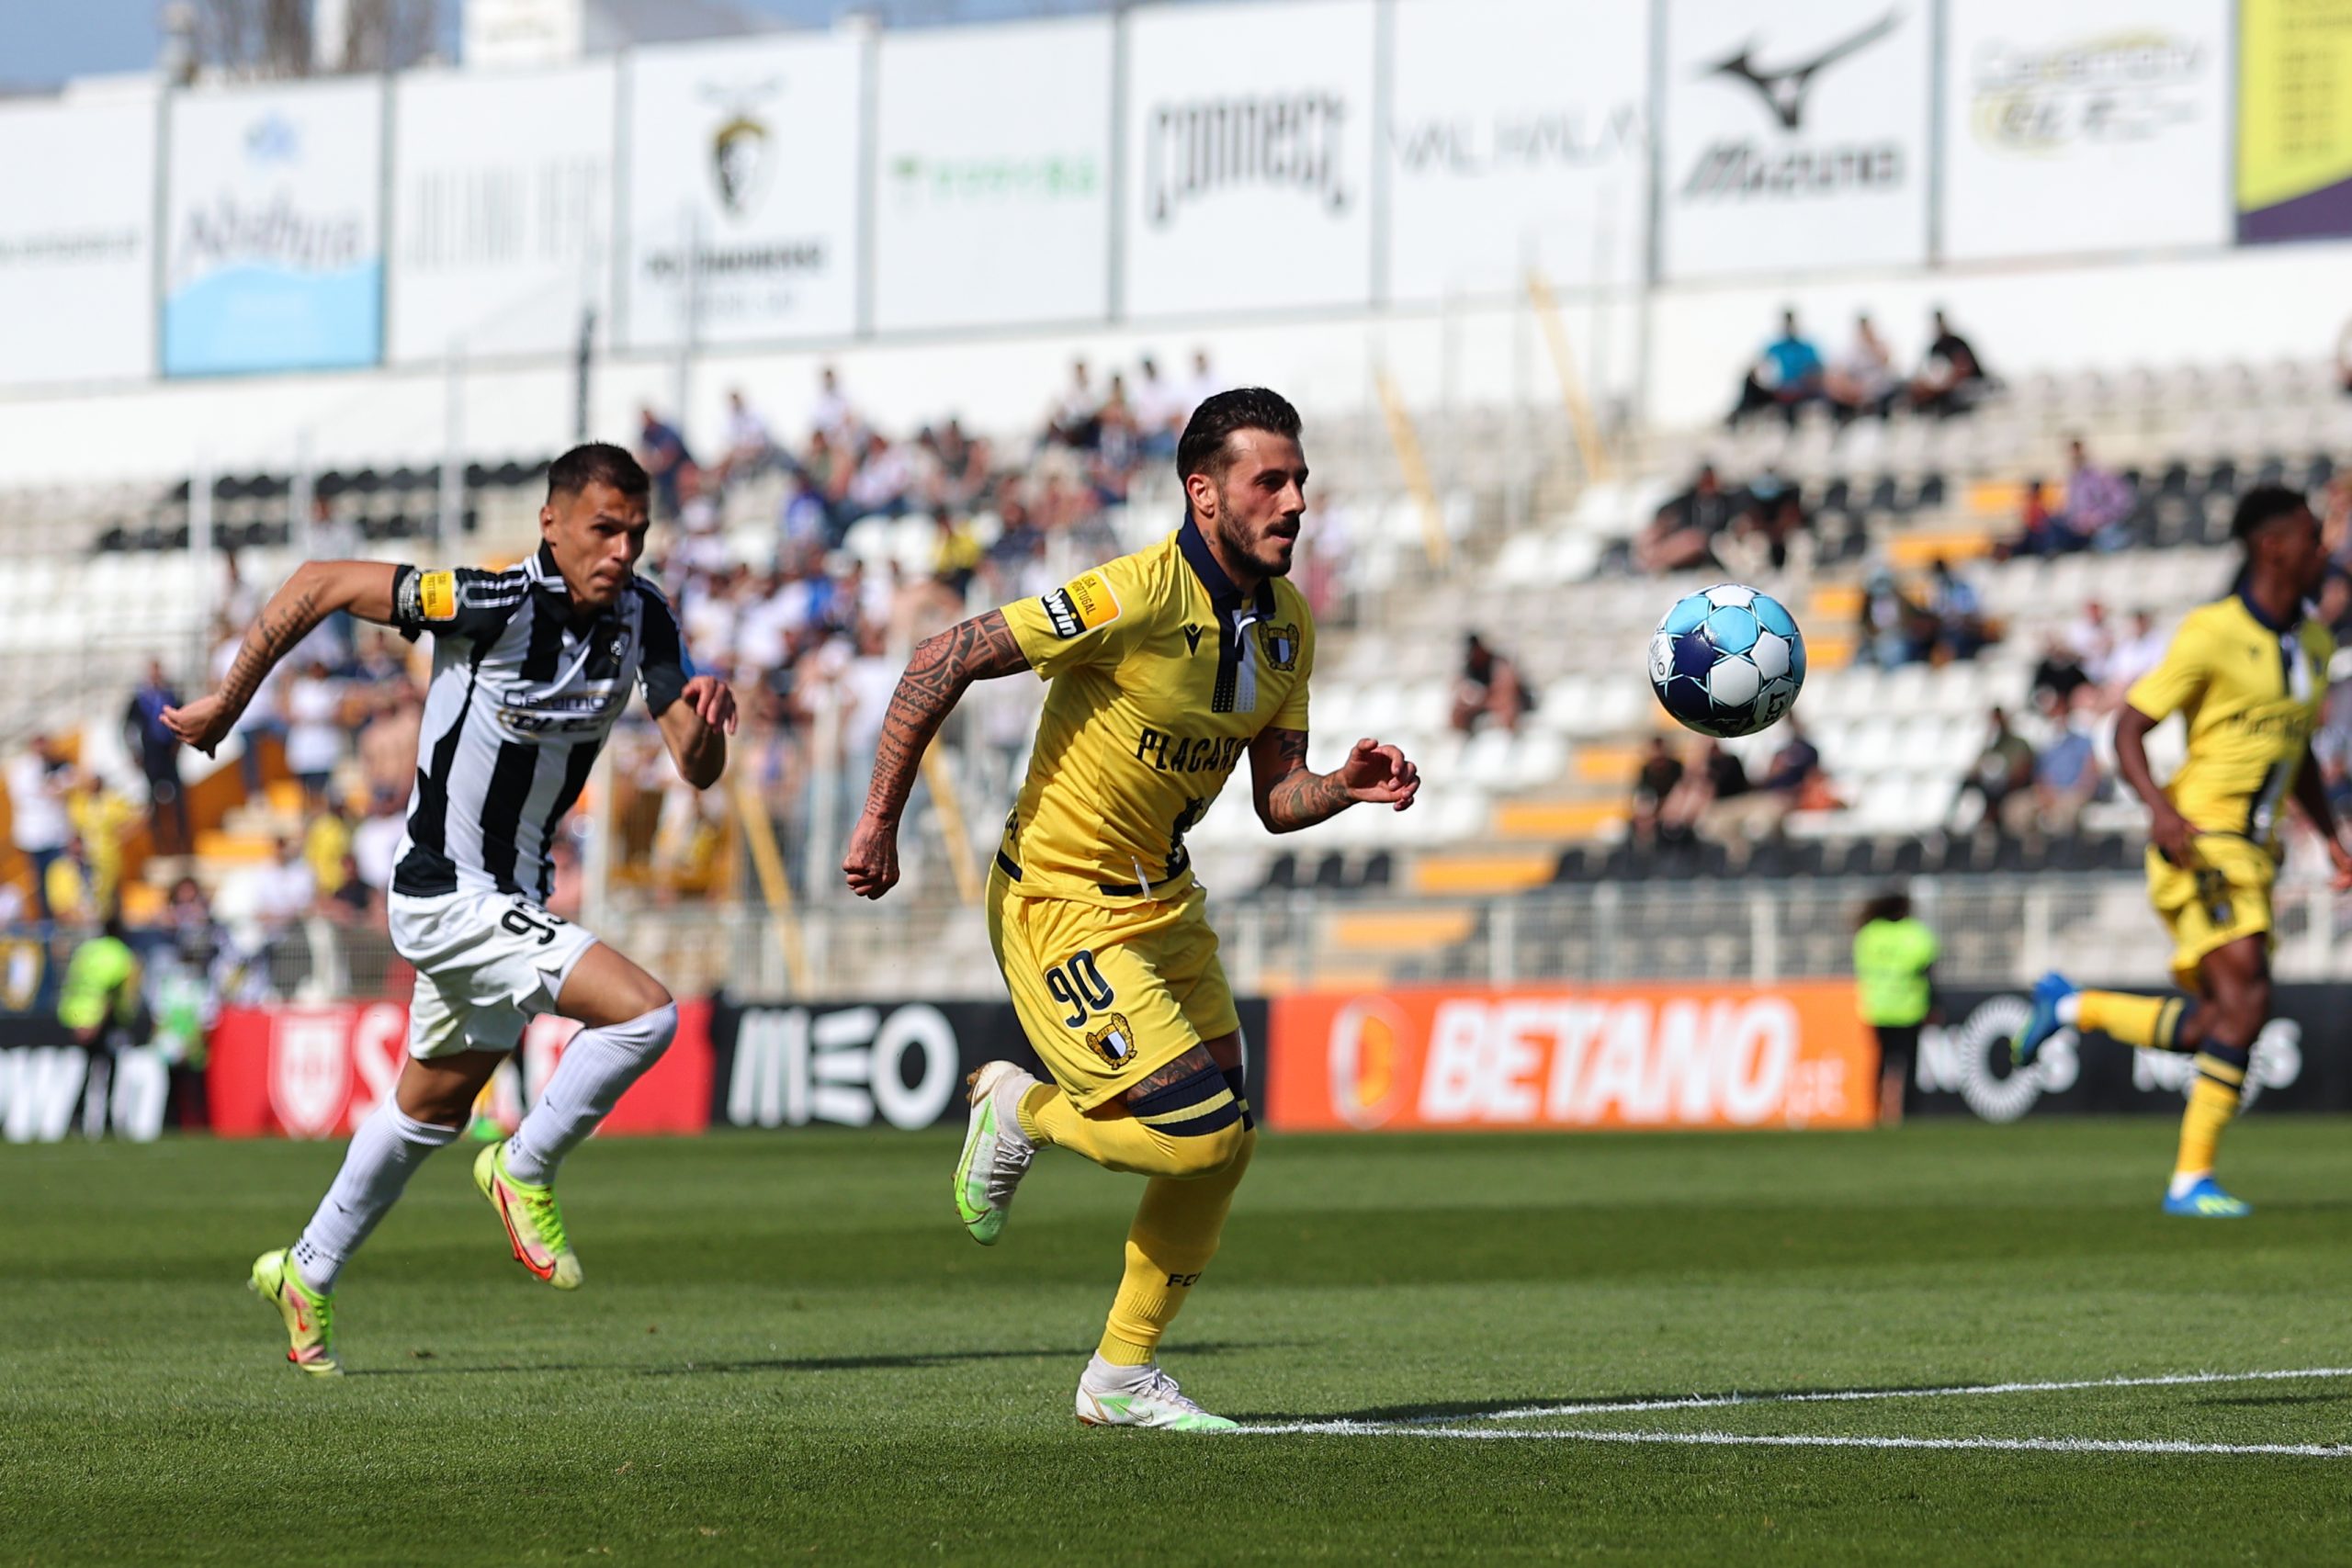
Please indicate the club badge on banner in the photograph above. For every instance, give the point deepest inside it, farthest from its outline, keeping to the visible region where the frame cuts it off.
(77, 240)
(992, 204)
(1602, 1057)
(743, 191)
(502, 210)
(2101, 125)
(1795, 137)
(2294, 135)
(1516, 136)
(274, 233)
(1248, 157)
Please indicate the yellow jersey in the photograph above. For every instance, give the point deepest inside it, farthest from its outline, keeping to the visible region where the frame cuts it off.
(1161, 674)
(2251, 692)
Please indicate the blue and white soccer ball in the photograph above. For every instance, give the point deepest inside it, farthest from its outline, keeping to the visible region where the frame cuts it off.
(1727, 660)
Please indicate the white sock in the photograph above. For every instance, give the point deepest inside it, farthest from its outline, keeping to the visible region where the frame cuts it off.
(1101, 1374)
(2070, 1008)
(386, 1147)
(596, 1070)
(2182, 1180)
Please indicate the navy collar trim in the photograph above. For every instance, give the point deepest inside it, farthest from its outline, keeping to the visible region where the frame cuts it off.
(1223, 592)
(2246, 597)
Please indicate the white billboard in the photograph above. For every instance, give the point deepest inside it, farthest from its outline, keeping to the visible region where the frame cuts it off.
(1248, 157)
(273, 254)
(2100, 125)
(992, 165)
(1515, 137)
(77, 240)
(743, 191)
(501, 211)
(1794, 137)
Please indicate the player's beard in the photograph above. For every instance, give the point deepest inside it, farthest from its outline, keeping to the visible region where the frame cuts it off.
(1229, 535)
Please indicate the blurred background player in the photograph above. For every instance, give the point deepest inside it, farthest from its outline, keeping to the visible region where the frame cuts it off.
(2249, 675)
(1894, 956)
(531, 667)
(1165, 665)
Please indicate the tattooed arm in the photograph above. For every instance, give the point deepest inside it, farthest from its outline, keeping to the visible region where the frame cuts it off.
(1290, 796)
(978, 649)
(317, 590)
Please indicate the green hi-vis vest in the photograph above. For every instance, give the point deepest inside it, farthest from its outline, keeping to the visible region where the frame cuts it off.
(1891, 962)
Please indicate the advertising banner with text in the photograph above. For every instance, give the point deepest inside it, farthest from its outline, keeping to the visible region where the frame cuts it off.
(1795, 137)
(1248, 157)
(77, 240)
(501, 211)
(1598, 1056)
(992, 204)
(1516, 137)
(2101, 125)
(273, 256)
(2294, 119)
(743, 191)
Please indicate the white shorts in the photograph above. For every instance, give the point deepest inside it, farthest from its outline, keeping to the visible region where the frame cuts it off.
(486, 963)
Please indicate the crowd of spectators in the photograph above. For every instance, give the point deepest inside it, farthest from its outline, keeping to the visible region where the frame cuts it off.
(1709, 796)
(1746, 530)
(1791, 374)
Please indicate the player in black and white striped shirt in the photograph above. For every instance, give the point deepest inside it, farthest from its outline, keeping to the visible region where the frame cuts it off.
(531, 667)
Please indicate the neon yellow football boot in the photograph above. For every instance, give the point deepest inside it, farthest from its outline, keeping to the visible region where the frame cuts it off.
(309, 1315)
(533, 1218)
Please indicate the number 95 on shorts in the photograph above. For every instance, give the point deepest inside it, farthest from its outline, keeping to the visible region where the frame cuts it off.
(486, 963)
(1109, 994)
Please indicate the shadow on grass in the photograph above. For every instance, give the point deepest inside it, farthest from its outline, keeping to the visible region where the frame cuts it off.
(907, 1361)
(1661, 1404)
(2337, 1398)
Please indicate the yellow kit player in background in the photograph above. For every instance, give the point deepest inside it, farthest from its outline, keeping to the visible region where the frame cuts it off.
(2248, 674)
(1166, 666)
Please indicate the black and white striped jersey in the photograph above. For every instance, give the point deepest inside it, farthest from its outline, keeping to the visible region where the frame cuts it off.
(523, 697)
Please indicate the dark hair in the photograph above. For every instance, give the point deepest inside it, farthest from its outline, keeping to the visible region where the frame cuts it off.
(1201, 451)
(2264, 504)
(597, 463)
(1890, 905)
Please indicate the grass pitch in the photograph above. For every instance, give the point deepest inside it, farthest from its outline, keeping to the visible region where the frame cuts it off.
(787, 1350)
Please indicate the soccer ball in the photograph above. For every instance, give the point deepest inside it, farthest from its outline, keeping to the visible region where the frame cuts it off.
(1727, 660)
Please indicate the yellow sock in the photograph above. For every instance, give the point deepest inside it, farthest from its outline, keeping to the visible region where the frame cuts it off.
(1120, 1140)
(2151, 1022)
(2212, 1101)
(1175, 1235)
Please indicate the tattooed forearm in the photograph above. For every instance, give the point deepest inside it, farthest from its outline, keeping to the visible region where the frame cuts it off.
(1191, 1064)
(978, 649)
(1296, 796)
(285, 620)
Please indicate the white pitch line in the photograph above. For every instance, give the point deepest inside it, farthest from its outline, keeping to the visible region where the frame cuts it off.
(1827, 1396)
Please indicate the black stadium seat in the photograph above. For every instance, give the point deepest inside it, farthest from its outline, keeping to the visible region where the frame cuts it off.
(1281, 872)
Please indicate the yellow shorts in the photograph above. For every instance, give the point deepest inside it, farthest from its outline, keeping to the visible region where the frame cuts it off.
(2222, 895)
(1108, 994)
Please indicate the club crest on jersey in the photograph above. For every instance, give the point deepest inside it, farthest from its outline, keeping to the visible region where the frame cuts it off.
(1112, 1042)
(1279, 644)
(1191, 640)
(1081, 606)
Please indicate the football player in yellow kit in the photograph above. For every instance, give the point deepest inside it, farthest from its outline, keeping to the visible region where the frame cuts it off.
(2248, 674)
(1165, 667)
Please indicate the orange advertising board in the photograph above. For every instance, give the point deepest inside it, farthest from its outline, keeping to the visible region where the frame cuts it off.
(1587, 1056)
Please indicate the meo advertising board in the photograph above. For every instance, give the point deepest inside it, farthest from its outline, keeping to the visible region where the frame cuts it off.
(1794, 137)
(501, 211)
(1599, 1056)
(742, 192)
(992, 200)
(274, 252)
(1516, 135)
(77, 240)
(2294, 119)
(1248, 157)
(2097, 126)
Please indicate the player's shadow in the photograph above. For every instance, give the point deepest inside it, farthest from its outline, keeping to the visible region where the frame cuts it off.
(2337, 1398)
(1647, 1404)
(906, 1360)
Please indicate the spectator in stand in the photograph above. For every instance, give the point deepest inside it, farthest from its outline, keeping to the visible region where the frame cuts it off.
(956, 553)
(2058, 676)
(1654, 785)
(1785, 377)
(1862, 380)
(70, 885)
(1161, 413)
(751, 450)
(832, 415)
(375, 845)
(2140, 649)
(2090, 637)
(1951, 379)
(315, 732)
(1958, 613)
(1682, 534)
(1077, 419)
(879, 487)
(1771, 523)
(2001, 778)
(283, 890)
(2098, 502)
(1896, 630)
(2066, 777)
(663, 452)
(1489, 690)
(1795, 772)
(38, 780)
(157, 751)
(1204, 385)
(1712, 781)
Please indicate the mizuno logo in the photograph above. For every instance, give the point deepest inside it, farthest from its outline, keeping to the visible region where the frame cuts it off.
(1191, 640)
(1784, 90)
